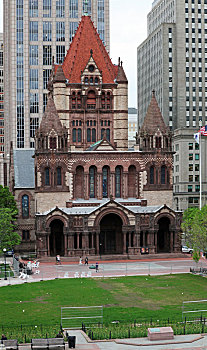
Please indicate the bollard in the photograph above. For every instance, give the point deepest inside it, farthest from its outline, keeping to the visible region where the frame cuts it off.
(149, 270)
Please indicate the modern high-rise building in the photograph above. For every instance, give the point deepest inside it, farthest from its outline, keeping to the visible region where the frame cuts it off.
(38, 33)
(1, 94)
(173, 62)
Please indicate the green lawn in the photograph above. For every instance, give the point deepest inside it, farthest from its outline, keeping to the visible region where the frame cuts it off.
(125, 299)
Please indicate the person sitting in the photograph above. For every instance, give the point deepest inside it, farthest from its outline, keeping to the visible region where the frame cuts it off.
(3, 337)
(59, 335)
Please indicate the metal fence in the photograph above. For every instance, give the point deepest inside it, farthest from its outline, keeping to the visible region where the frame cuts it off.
(194, 309)
(75, 317)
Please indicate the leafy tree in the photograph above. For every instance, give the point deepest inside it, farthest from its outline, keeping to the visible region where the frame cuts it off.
(8, 212)
(7, 200)
(8, 237)
(195, 228)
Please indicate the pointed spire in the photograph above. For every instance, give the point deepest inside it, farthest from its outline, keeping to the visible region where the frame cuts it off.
(50, 119)
(59, 76)
(153, 119)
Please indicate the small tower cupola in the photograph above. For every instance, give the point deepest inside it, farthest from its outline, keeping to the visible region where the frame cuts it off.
(154, 135)
(51, 134)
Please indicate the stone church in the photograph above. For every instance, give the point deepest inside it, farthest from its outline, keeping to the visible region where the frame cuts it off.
(82, 191)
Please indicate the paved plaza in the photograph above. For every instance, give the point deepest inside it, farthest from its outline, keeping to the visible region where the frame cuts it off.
(49, 270)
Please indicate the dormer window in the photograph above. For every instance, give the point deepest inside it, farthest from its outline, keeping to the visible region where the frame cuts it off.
(86, 80)
(91, 68)
(91, 80)
(53, 143)
(96, 80)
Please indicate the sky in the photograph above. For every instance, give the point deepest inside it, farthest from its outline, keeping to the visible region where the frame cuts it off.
(128, 26)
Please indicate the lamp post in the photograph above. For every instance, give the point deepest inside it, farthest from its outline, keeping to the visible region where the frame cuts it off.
(4, 250)
(100, 249)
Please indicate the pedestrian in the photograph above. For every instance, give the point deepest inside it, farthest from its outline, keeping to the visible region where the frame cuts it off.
(58, 261)
(59, 335)
(96, 266)
(80, 261)
(3, 337)
(86, 260)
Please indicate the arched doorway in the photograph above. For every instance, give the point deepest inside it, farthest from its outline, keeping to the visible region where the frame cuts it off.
(56, 238)
(111, 237)
(163, 236)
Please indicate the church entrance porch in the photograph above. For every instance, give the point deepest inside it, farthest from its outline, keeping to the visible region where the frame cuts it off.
(163, 236)
(111, 236)
(56, 238)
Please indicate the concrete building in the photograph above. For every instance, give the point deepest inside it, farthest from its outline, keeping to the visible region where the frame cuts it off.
(84, 192)
(132, 126)
(173, 61)
(36, 34)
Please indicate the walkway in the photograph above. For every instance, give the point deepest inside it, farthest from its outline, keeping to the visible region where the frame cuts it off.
(182, 342)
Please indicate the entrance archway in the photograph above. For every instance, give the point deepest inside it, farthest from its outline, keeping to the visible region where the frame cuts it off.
(111, 237)
(163, 236)
(56, 238)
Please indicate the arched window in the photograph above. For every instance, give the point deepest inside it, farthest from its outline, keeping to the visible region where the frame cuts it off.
(74, 135)
(47, 177)
(73, 100)
(53, 143)
(88, 135)
(105, 183)
(102, 133)
(25, 206)
(158, 142)
(108, 134)
(96, 80)
(79, 135)
(91, 100)
(132, 181)
(163, 174)
(152, 175)
(59, 176)
(79, 100)
(93, 135)
(79, 183)
(118, 182)
(92, 181)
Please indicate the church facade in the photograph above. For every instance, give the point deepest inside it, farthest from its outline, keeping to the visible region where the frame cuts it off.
(90, 194)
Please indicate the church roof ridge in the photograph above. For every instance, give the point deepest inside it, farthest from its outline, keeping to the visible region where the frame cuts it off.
(78, 55)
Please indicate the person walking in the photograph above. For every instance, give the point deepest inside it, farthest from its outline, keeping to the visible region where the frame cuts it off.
(96, 266)
(80, 261)
(86, 260)
(58, 261)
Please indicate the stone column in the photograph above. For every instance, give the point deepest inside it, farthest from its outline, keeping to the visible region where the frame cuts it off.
(65, 244)
(171, 241)
(78, 236)
(86, 185)
(125, 185)
(113, 184)
(99, 186)
(97, 243)
(92, 240)
(48, 244)
(124, 242)
(155, 233)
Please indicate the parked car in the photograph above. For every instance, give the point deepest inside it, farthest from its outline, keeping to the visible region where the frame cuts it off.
(185, 249)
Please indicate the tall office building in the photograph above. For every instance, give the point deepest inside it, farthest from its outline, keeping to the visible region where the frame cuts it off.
(36, 34)
(1, 95)
(173, 61)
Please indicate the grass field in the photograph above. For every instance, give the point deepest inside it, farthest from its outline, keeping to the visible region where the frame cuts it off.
(125, 299)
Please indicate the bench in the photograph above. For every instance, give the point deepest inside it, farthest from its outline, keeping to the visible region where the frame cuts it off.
(10, 344)
(50, 343)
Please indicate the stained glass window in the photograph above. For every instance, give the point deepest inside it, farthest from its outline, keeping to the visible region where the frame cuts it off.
(59, 176)
(105, 181)
(118, 182)
(92, 174)
(25, 206)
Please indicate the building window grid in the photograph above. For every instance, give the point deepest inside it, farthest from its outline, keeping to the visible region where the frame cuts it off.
(34, 102)
(60, 31)
(101, 20)
(47, 55)
(33, 55)
(33, 79)
(44, 102)
(34, 124)
(46, 76)
(33, 8)
(73, 27)
(47, 31)
(60, 53)
(73, 8)
(46, 6)
(33, 31)
(20, 74)
(60, 8)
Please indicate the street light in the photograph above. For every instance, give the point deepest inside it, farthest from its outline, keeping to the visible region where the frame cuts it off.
(4, 250)
(100, 249)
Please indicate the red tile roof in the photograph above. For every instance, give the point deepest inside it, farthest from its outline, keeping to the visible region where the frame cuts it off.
(85, 39)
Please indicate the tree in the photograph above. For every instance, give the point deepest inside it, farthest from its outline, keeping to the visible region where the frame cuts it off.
(8, 237)
(8, 213)
(7, 200)
(194, 227)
